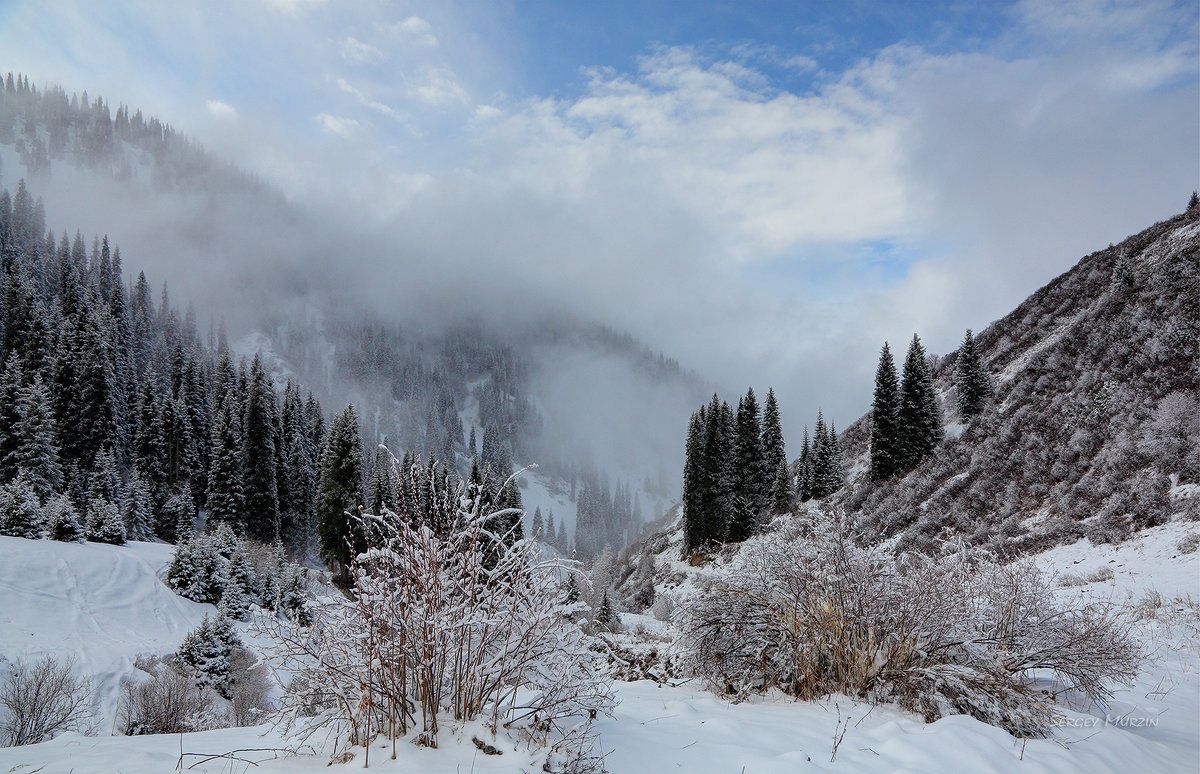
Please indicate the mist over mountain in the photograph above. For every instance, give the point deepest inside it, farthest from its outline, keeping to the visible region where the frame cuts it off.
(343, 310)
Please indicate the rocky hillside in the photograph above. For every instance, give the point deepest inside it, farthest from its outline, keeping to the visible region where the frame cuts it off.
(1094, 427)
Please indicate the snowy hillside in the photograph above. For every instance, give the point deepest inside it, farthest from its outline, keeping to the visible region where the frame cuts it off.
(1094, 422)
(102, 605)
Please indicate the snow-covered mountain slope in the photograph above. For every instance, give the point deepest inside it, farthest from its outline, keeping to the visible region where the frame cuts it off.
(1095, 420)
(98, 604)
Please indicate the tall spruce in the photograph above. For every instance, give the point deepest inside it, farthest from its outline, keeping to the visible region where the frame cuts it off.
(693, 476)
(971, 379)
(920, 418)
(774, 451)
(752, 482)
(259, 422)
(226, 501)
(339, 493)
(886, 450)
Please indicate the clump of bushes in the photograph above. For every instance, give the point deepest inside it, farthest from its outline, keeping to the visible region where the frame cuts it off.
(809, 612)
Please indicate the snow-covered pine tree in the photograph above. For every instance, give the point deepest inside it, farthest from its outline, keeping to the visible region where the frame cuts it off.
(537, 527)
(605, 616)
(20, 510)
(62, 520)
(804, 477)
(226, 504)
(751, 482)
(138, 509)
(920, 418)
(36, 451)
(782, 496)
(340, 492)
(240, 585)
(971, 378)
(693, 477)
(259, 430)
(835, 477)
(206, 650)
(196, 571)
(886, 451)
(12, 380)
(774, 451)
(104, 523)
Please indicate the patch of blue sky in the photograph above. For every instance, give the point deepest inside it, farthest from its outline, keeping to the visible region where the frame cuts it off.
(836, 271)
(792, 43)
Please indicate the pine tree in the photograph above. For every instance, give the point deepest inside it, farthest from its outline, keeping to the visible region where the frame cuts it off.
(834, 477)
(239, 590)
(104, 523)
(920, 418)
(259, 487)
(819, 453)
(537, 527)
(340, 492)
(774, 452)
(226, 504)
(138, 509)
(20, 511)
(782, 498)
(12, 381)
(751, 484)
(36, 452)
(605, 616)
(886, 451)
(693, 477)
(62, 520)
(971, 379)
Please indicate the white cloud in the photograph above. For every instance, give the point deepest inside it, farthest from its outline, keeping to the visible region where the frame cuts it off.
(337, 125)
(438, 86)
(221, 110)
(294, 7)
(354, 50)
(412, 29)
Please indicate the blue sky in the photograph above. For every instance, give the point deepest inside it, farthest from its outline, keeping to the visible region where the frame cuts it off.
(766, 190)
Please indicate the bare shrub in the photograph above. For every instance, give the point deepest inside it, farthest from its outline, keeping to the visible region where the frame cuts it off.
(167, 703)
(43, 698)
(812, 614)
(462, 624)
(249, 688)
(1189, 544)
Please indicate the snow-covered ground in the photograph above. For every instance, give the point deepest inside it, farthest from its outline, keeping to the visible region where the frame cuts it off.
(107, 603)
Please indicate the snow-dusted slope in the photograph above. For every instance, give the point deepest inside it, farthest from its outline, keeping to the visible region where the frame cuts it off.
(99, 604)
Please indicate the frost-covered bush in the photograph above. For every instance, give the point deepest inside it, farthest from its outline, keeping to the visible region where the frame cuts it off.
(165, 703)
(460, 624)
(809, 612)
(42, 699)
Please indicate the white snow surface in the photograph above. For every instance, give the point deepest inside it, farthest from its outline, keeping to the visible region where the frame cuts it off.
(107, 604)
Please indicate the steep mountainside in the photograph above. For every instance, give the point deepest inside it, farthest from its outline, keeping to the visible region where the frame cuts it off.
(1094, 423)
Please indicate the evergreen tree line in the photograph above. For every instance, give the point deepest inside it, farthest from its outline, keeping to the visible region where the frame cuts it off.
(427, 492)
(735, 469)
(605, 516)
(114, 410)
(552, 533)
(906, 421)
(820, 464)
